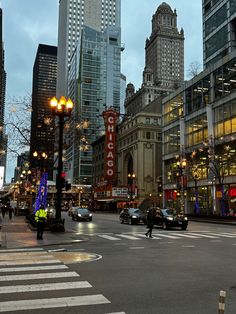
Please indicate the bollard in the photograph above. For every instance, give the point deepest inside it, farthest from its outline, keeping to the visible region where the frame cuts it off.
(222, 296)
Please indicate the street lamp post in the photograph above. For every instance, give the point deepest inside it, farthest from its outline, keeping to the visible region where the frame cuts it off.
(61, 108)
(181, 163)
(131, 177)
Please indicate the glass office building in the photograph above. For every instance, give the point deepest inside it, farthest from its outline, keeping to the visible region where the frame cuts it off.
(94, 85)
(219, 29)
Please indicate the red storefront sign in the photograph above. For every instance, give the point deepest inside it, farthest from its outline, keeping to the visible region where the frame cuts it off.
(110, 117)
(232, 192)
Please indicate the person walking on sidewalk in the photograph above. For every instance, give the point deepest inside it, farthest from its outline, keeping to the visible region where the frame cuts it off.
(150, 223)
(40, 218)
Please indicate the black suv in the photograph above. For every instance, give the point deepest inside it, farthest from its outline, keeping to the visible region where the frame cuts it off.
(132, 216)
(168, 218)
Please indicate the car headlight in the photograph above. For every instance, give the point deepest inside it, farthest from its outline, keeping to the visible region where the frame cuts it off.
(185, 218)
(170, 218)
(134, 216)
(90, 215)
(79, 215)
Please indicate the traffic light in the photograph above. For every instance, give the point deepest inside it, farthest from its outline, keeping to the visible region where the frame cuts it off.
(61, 181)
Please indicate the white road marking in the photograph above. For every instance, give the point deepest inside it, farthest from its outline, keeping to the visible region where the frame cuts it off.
(221, 235)
(22, 250)
(32, 261)
(30, 268)
(20, 305)
(187, 235)
(105, 236)
(19, 257)
(136, 247)
(129, 237)
(204, 235)
(117, 313)
(144, 236)
(38, 276)
(188, 246)
(45, 287)
(168, 236)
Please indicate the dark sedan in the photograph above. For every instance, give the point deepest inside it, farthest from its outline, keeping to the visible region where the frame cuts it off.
(81, 214)
(132, 216)
(168, 218)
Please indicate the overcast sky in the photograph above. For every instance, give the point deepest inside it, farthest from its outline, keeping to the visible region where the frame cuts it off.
(26, 23)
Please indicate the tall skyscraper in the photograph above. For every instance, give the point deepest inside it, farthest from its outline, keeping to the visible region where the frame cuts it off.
(3, 137)
(164, 62)
(94, 84)
(73, 14)
(165, 49)
(42, 122)
(219, 29)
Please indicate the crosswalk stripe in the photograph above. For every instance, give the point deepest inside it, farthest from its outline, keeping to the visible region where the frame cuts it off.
(32, 261)
(186, 235)
(168, 236)
(105, 236)
(45, 287)
(25, 257)
(201, 235)
(232, 234)
(22, 250)
(116, 313)
(30, 268)
(19, 305)
(129, 237)
(38, 276)
(221, 235)
(144, 236)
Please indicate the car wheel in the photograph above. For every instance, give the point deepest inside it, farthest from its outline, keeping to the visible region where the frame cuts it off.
(130, 221)
(164, 225)
(121, 220)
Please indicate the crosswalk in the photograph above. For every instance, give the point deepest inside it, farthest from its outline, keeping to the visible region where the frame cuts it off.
(34, 273)
(161, 235)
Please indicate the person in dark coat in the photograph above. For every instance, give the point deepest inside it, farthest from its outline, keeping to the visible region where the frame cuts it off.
(150, 223)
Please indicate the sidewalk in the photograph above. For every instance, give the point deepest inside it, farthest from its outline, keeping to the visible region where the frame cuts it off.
(16, 233)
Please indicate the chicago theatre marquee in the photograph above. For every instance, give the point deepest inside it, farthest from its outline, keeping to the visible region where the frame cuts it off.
(107, 193)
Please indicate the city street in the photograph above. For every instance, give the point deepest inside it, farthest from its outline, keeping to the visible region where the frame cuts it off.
(174, 272)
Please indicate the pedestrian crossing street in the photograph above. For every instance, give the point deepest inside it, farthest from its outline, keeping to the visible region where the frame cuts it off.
(164, 235)
(32, 279)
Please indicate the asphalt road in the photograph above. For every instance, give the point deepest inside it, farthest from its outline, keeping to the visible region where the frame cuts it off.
(179, 272)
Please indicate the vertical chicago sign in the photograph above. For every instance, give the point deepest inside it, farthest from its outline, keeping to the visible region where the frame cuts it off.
(110, 117)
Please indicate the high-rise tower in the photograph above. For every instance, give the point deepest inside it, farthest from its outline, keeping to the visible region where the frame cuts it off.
(3, 137)
(42, 122)
(165, 49)
(219, 29)
(73, 14)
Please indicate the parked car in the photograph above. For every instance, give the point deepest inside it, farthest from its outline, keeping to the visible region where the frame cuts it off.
(168, 218)
(132, 216)
(81, 214)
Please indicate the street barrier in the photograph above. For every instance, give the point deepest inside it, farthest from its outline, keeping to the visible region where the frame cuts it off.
(221, 308)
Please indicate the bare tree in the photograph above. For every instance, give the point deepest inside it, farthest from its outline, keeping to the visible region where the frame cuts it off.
(17, 125)
(194, 69)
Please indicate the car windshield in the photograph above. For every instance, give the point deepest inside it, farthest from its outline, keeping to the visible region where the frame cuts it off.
(169, 212)
(136, 211)
(83, 210)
